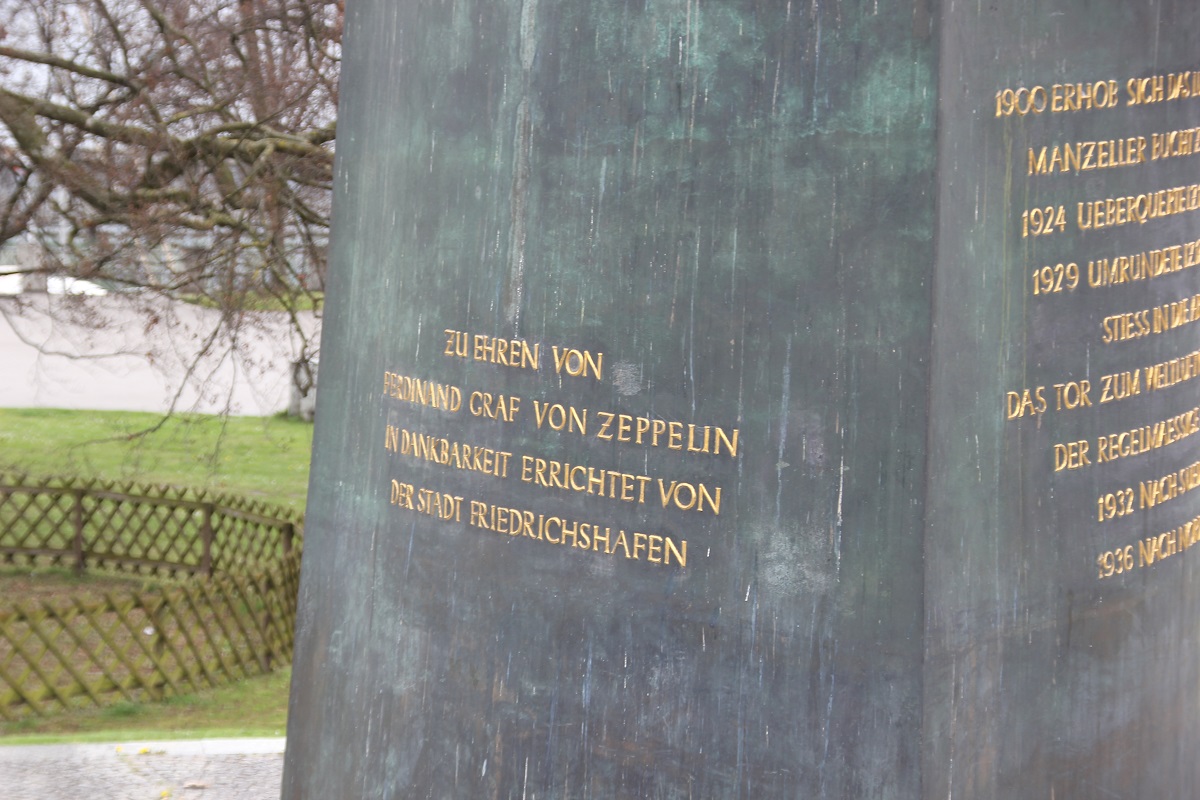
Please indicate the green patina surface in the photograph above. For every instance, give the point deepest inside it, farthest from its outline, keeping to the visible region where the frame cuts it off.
(793, 220)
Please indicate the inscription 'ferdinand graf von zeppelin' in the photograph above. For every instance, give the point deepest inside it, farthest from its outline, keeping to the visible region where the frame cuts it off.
(686, 437)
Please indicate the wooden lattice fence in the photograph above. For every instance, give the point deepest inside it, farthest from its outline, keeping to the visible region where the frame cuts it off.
(225, 609)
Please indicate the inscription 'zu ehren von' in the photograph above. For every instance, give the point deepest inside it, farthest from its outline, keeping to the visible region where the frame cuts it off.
(520, 354)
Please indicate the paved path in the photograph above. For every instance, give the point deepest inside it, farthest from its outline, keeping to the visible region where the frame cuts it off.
(211, 769)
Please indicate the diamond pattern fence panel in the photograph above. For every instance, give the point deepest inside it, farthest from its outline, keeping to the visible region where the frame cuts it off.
(227, 611)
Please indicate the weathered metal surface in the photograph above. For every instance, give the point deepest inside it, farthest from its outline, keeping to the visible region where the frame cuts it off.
(663, 447)
(1042, 678)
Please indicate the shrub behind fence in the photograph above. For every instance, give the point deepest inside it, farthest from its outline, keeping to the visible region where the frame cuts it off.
(231, 617)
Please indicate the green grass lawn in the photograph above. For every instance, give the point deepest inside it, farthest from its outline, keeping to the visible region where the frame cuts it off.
(254, 707)
(253, 457)
(265, 459)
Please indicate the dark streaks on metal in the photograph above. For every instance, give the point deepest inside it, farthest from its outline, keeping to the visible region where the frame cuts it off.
(799, 221)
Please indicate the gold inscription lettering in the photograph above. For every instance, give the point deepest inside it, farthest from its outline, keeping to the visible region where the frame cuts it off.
(1071, 455)
(577, 535)
(1165, 432)
(407, 389)
(446, 453)
(516, 353)
(1111, 212)
(456, 343)
(687, 496)
(559, 417)
(1072, 394)
(578, 363)
(653, 432)
(500, 407)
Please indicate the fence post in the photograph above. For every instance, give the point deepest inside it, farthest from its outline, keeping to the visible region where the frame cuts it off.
(289, 535)
(77, 524)
(206, 538)
(268, 629)
(156, 621)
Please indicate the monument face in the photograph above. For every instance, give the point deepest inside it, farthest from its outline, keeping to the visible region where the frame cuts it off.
(1060, 638)
(757, 399)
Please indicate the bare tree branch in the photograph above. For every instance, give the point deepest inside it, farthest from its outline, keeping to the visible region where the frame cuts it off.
(183, 147)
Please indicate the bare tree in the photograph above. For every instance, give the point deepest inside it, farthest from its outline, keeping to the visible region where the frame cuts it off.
(182, 147)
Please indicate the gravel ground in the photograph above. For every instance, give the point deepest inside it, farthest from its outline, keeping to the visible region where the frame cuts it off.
(210, 769)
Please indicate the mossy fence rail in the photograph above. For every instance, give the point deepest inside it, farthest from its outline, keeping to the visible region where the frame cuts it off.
(217, 603)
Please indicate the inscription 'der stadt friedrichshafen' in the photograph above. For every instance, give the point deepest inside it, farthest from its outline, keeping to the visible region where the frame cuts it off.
(732, 399)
